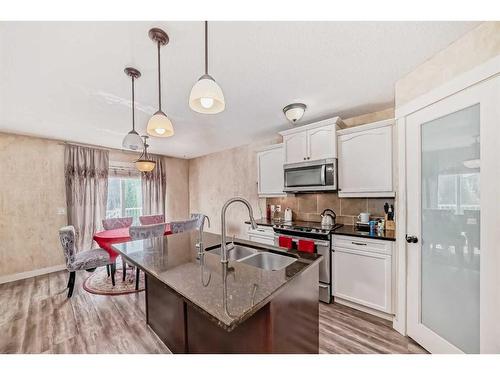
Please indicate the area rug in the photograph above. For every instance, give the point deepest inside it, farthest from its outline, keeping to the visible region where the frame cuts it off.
(100, 283)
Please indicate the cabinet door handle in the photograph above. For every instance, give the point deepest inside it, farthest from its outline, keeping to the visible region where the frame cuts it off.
(358, 243)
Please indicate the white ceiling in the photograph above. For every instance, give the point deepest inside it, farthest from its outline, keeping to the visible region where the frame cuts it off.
(65, 80)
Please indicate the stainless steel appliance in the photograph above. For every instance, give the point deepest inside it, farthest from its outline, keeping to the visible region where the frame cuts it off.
(322, 237)
(318, 175)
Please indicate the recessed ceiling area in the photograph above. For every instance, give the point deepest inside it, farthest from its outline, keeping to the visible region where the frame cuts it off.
(65, 80)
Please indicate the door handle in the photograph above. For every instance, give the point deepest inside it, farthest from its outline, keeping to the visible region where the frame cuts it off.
(411, 239)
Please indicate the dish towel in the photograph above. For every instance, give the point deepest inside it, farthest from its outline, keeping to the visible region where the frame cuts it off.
(285, 242)
(306, 246)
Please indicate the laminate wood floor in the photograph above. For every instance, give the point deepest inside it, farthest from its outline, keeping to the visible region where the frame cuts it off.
(36, 317)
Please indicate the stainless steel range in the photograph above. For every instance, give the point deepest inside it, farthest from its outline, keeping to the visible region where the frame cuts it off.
(322, 237)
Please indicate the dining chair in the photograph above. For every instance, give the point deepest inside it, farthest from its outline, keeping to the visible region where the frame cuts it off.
(87, 260)
(151, 219)
(117, 223)
(184, 225)
(143, 232)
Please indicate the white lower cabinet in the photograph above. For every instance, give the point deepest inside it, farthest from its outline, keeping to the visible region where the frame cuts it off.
(362, 272)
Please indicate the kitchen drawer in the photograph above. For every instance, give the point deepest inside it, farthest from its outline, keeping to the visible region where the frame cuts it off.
(362, 244)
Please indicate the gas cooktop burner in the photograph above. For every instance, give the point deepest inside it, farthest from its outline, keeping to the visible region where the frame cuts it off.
(308, 227)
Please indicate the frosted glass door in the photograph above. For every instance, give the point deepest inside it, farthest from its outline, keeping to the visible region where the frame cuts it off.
(452, 236)
(450, 220)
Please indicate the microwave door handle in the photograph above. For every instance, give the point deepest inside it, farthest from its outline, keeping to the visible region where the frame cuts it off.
(323, 175)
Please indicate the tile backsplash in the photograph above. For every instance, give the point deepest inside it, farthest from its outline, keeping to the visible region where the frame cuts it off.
(309, 206)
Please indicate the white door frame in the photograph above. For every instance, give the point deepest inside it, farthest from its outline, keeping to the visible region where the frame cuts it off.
(485, 71)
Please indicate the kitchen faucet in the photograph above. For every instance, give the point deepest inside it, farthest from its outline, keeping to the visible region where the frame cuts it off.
(199, 245)
(223, 246)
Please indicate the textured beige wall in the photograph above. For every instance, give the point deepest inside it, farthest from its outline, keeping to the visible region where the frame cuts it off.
(32, 189)
(474, 48)
(177, 194)
(215, 178)
(369, 117)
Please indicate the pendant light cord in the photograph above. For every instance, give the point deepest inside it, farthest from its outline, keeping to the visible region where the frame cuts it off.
(133, 106)
(159, 79)
(206, 47)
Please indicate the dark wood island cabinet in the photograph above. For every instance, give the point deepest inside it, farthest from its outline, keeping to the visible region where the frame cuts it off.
(204, 306)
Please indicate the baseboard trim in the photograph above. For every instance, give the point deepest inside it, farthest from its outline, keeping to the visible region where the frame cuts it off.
(365, 309)
(28, 274)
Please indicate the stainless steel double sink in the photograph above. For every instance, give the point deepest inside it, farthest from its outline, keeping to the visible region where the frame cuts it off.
(261, 259)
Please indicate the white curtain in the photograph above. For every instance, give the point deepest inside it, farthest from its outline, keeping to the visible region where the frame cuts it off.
(86, 173)
(153, 189)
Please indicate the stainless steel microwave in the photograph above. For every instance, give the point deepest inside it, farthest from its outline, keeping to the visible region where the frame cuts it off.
(309, 176)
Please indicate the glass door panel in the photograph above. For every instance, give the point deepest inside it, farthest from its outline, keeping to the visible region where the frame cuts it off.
(450, 215)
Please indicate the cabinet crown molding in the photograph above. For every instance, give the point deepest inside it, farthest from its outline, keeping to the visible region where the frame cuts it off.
(331, 121)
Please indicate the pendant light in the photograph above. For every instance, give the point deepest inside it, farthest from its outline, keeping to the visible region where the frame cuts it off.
(159, 125)
(144, 163)
(132, 140)
(206, 95)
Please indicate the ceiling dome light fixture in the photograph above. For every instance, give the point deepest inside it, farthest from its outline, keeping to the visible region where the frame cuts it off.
(294, 111)
(144, 163)
(206, 95)
(132, 140)
(159, 125)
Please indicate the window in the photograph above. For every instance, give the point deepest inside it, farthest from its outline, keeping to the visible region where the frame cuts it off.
(458, 192)
(124, 198)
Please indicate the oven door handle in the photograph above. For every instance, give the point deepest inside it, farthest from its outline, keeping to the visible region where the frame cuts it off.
(323, 175)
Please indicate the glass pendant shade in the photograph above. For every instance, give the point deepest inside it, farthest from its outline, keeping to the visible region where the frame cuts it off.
(132, 141)
(159, 125)
(294, 112)
(206, 96)
(145, 165)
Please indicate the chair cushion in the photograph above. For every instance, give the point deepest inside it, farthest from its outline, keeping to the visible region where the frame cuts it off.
(90, 259)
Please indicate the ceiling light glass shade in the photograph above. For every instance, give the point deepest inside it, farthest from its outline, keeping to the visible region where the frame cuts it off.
(294, 112)
(132, 141)
(159, 125)
(206, 96)
(145, 165)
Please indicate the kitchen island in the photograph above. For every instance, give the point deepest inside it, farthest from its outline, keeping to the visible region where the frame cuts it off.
(199, 305)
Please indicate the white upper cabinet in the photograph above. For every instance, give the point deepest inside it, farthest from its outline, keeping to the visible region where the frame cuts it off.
(322, 142)
(295, 146)
(311, 142)
(365, 160)
(270, 171)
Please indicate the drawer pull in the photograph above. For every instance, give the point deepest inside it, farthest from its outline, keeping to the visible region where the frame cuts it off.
(358, 243)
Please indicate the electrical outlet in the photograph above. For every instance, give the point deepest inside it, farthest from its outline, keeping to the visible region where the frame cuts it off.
(61, 211)
(278, 208)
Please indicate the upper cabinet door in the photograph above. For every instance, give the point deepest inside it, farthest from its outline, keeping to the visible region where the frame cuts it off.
(270, 171)
(295, 147)
(321, 143)
(365, 161)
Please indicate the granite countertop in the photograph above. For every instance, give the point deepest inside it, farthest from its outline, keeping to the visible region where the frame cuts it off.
(227, 294)
(345, 230)
(350, 230)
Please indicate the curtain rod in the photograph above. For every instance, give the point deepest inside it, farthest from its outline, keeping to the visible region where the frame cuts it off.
(104, 148)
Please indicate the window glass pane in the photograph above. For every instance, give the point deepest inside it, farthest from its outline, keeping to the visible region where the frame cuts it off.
(114, 206)
(132, 198)
(124, 198)
(450, 228)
